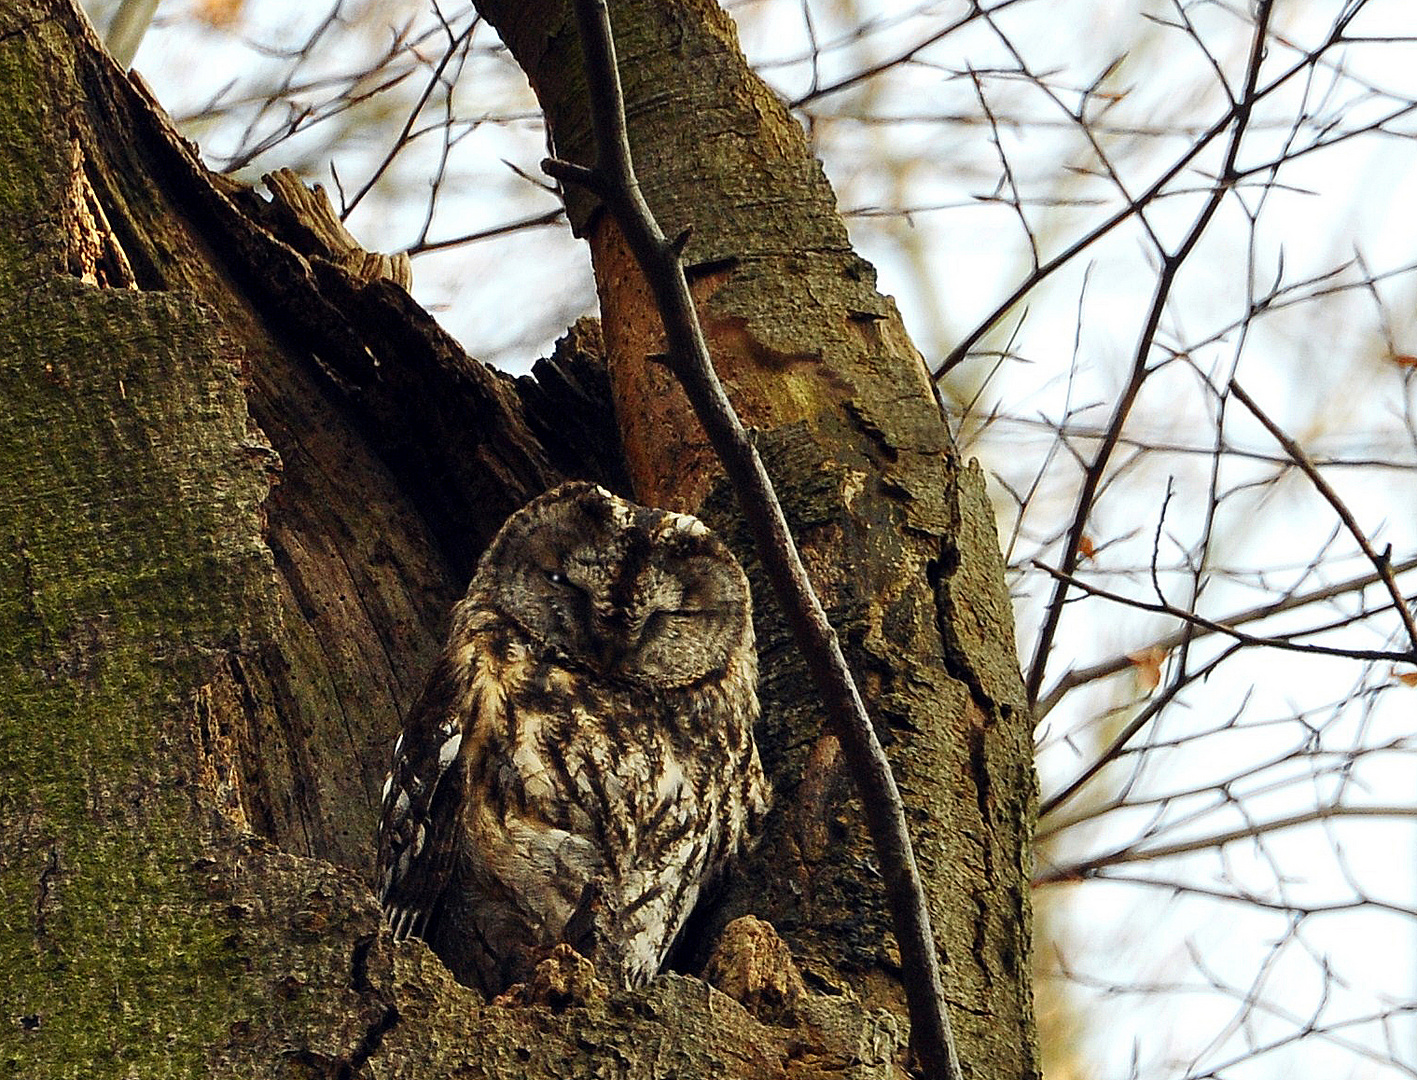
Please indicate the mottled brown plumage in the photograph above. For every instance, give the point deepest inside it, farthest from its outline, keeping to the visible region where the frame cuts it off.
(581, 761)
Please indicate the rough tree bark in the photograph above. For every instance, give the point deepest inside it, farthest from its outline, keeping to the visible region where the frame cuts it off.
(240, 484)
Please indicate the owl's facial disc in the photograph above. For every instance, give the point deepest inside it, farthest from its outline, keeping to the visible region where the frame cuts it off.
(625, 592)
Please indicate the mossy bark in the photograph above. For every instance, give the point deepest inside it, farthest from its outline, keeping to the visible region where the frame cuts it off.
(239, 488)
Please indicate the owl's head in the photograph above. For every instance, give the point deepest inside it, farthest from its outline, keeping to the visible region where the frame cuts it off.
(622, 590)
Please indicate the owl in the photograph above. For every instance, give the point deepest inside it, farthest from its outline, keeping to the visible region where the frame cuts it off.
(580, 765)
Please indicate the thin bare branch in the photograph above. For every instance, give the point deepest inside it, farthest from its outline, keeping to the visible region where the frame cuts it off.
(456, 46)
(901, 57)
(1237, 115)
(1211, 626)
(1129, 731)
(1226, 624)
(1382, 562)
(1170, 267)
(551, 217)
(1216, 841)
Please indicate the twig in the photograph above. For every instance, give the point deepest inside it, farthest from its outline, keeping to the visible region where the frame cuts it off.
(459, 42)
(1213, 626)
(1129, 731)
(1133, 853)
(1382, 562)
(1081, 676)
(1248, 778)
(1177, 887)
(1238, 112)
(1171, 266)
(902, 57)
(536, 221)
(613, 179)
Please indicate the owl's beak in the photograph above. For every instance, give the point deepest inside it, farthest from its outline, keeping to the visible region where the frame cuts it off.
(608, 654)
(612, 640)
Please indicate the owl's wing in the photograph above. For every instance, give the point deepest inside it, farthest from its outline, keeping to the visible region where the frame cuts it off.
(421, 813)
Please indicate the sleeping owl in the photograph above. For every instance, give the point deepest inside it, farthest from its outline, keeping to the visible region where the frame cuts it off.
(580, 764)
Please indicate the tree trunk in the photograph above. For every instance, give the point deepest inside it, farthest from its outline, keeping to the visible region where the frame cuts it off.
(240, 486)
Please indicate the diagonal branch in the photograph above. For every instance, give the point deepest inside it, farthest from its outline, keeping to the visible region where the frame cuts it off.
(1134, 853)
(1382, 562)
(1170, 267)
(613, 179)
(1237, 114)
(455, 46)
(1119, 743)
(1199, 623)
